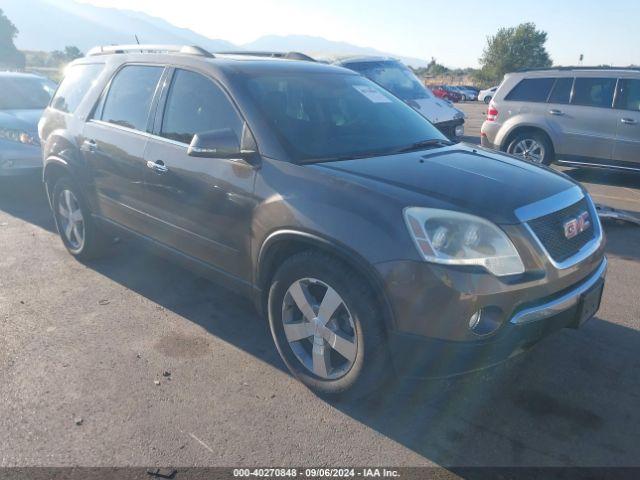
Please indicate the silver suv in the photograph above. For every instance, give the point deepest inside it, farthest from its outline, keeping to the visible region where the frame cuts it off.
(576, 116)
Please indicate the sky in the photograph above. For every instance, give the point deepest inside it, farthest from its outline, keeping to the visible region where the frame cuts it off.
(454, 32)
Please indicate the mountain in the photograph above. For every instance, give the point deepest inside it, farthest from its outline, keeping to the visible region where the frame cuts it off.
(318, 46)
(53, 24)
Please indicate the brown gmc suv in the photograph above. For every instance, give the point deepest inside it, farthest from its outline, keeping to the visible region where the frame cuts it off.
(370, 241)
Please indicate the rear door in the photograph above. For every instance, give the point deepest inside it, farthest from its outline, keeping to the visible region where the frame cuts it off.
(114, 142)
(588, 123)
(627, 147)
(201, 206)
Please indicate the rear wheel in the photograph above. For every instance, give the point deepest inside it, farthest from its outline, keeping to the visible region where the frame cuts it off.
(533, 147)
(78, 231)
(326, 327)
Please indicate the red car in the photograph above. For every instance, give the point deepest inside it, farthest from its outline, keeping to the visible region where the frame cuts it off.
(443, 92)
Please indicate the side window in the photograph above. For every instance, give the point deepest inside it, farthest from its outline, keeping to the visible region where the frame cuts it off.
(593, 92)
(561, 92)
(628, 95)
(129, 98)
(531, 90)
(76, 84)
(195, 105)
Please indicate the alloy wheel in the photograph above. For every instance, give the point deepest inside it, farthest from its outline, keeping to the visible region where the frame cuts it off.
(71, 219)
(530, 150)
(319, 328)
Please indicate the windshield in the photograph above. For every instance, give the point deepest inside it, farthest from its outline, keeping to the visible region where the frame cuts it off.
(393, 76)
(320, 117)
(25, 93)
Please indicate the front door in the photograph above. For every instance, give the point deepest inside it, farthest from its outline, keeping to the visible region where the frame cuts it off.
(114, 142)
(627, 149)
(202, 206)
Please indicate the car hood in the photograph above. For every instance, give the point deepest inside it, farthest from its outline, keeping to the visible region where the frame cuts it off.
(461, 177)
(434, 109)
(20, 119)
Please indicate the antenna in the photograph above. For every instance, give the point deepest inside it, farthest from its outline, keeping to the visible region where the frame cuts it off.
(136, 37)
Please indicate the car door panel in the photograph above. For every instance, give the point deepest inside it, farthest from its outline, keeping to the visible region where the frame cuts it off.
(627, 147)
(116, 158)
(115, 139)
(201, 206)
(588, 124)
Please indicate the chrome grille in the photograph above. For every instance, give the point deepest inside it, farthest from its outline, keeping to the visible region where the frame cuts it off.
(550, 231)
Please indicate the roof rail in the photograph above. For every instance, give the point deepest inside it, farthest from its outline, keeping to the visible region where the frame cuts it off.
(184, 49)
(580, 67)
(286, 55)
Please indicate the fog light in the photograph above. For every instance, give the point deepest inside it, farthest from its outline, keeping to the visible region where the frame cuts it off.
(485, 321)
(475, 319)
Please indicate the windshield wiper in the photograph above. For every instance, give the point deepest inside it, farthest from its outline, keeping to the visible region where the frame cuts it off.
(424, 144)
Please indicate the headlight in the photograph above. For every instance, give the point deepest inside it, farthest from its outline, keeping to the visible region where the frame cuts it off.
(18, 136)
(453, 238)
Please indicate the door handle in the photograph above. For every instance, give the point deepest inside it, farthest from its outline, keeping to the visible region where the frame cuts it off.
(555, 111)
(90, 146)
(158, 166)
(628, 121)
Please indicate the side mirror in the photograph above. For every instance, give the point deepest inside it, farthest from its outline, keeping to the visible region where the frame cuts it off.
(222, 143)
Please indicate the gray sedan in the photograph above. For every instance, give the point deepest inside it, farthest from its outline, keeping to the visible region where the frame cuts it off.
(23, 96)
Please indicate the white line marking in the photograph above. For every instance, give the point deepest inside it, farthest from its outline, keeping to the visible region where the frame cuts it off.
(200, 442)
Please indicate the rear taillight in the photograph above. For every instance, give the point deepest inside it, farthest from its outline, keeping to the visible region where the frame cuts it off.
(492, 113)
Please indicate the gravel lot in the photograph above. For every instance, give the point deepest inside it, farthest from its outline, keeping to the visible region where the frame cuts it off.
(83, 344)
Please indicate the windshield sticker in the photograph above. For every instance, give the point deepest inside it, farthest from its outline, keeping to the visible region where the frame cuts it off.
(372, 94)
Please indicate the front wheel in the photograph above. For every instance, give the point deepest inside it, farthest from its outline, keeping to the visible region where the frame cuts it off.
(487, 99)
(326, 326)
(533, 147)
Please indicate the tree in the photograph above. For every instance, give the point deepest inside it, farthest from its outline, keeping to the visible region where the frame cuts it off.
(72, 52)
(513, 49)
(10, 56)
(60, 57)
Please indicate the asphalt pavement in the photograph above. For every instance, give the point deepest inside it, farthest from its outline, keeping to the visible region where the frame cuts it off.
(132, 360)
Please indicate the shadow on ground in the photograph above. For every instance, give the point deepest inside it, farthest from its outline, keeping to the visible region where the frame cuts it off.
(605, 177)
(572, 400)
(25, 198)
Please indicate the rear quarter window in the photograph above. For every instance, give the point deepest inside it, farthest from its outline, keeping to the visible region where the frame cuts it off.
(531, 90)
(77, 82)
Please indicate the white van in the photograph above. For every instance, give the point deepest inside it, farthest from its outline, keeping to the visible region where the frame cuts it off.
(396, 77)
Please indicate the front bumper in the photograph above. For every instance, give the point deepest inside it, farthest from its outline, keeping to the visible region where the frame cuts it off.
(434, 340)
(17, 159)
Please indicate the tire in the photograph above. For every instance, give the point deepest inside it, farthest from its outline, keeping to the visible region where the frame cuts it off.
(79, 233)
(538, 145)
(366, 365)
(487, 99)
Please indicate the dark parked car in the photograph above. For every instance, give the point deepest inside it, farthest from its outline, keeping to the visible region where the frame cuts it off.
(370, 241)
(23, 96)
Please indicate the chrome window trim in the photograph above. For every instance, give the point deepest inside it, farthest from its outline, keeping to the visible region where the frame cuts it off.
(554, 204)
(139, 132)
(561, 304)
